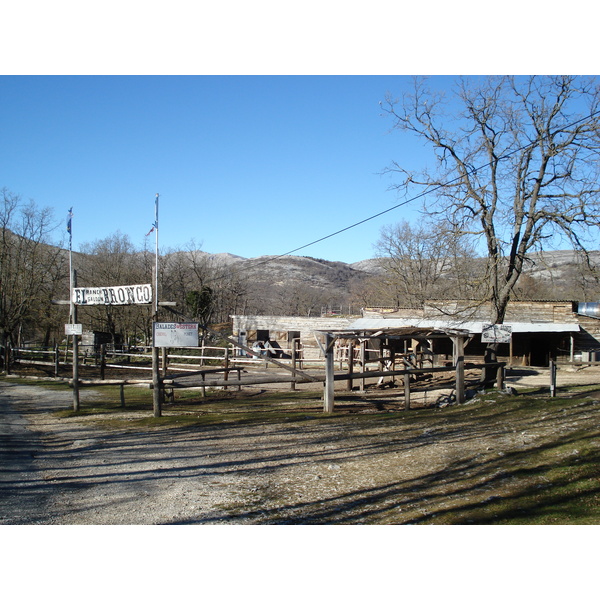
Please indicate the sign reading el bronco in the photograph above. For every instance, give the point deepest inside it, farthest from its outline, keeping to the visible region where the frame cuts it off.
(120, 294)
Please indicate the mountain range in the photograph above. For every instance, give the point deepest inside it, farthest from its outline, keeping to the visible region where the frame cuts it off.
(554, 265)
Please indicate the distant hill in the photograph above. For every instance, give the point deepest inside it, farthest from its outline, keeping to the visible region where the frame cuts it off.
(301, 270)
(557, 266)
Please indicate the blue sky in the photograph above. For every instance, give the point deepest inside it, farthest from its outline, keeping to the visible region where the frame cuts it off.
(264, 135)
(251, 165)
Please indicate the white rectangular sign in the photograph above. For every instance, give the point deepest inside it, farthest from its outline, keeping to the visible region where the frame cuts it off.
(175, 335)
(496, 334)
(73, 328)
(120, 294)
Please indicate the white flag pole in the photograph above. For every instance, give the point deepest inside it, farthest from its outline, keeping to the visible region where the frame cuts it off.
(70, 231)
(156, 259)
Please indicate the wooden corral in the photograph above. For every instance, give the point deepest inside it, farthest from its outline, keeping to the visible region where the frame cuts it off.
(405, 355)
(405, 352)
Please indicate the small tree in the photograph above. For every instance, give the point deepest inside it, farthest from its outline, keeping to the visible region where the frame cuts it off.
(424, 262)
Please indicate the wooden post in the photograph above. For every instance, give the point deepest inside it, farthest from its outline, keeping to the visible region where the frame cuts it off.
(572, 347)
(552, 379)
(156, 383)
(56, 359)
(164, 359)
(350, 364)
(102, 360)
(226, 374)
(406, 391)
(328, 398)
(75, 356)
(122, 394)
(500, 378)
(156, 380)
(363, 368)
(459, 347)
(294, 354)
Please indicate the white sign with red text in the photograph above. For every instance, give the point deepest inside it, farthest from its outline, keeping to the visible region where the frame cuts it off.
(175, 335)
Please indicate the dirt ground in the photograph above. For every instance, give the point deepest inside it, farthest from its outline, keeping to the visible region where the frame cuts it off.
(311, 471)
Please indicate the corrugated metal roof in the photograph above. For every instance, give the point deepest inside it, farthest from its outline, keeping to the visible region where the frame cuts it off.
(470, 326)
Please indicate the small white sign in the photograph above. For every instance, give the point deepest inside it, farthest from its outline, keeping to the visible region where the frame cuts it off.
(496, 334)
(175, 335)
(73, 328)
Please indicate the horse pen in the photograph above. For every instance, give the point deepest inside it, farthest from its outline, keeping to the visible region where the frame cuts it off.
(396, 367)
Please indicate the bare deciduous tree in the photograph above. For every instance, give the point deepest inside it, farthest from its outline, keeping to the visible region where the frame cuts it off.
(425, 261)
(517, 166)
(29, 265)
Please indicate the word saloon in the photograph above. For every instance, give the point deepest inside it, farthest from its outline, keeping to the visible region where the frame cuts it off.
(121, 294)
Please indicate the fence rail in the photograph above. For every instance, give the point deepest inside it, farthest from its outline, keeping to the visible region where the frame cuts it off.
(193, 363)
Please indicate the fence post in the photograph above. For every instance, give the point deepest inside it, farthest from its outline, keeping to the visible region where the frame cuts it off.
(500, 378)
(56, 360)
(226, 374)
(350, 365)
(164, 359)
(552, 379)
(293, 384)
(7, 358)
(363, 366)
(102, 360)
(459, 345)
(329, 394)
(122, 391)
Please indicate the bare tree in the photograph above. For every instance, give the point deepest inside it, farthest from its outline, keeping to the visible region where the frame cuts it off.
(425, 261)
(192, 276)
(29, 265)
(112, 261)
(517, 166)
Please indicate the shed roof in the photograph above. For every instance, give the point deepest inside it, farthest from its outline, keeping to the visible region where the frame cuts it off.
(376, 323)
(408, 331)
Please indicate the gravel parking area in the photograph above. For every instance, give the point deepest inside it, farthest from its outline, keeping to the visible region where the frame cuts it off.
(72, 471)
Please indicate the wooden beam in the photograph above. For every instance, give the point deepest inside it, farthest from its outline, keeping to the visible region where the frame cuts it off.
(329, 393)
(460, 368)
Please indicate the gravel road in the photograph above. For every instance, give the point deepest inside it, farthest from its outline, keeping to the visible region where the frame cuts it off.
(68, 471)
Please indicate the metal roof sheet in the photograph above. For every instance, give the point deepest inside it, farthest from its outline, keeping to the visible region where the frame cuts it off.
(470, 326)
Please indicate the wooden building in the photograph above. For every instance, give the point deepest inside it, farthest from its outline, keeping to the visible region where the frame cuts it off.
(541, 330)
(282, 331)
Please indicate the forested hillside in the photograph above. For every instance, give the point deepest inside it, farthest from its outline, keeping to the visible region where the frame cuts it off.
(209, 288)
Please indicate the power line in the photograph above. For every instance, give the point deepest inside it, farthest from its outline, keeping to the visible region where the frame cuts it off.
(412, 199)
